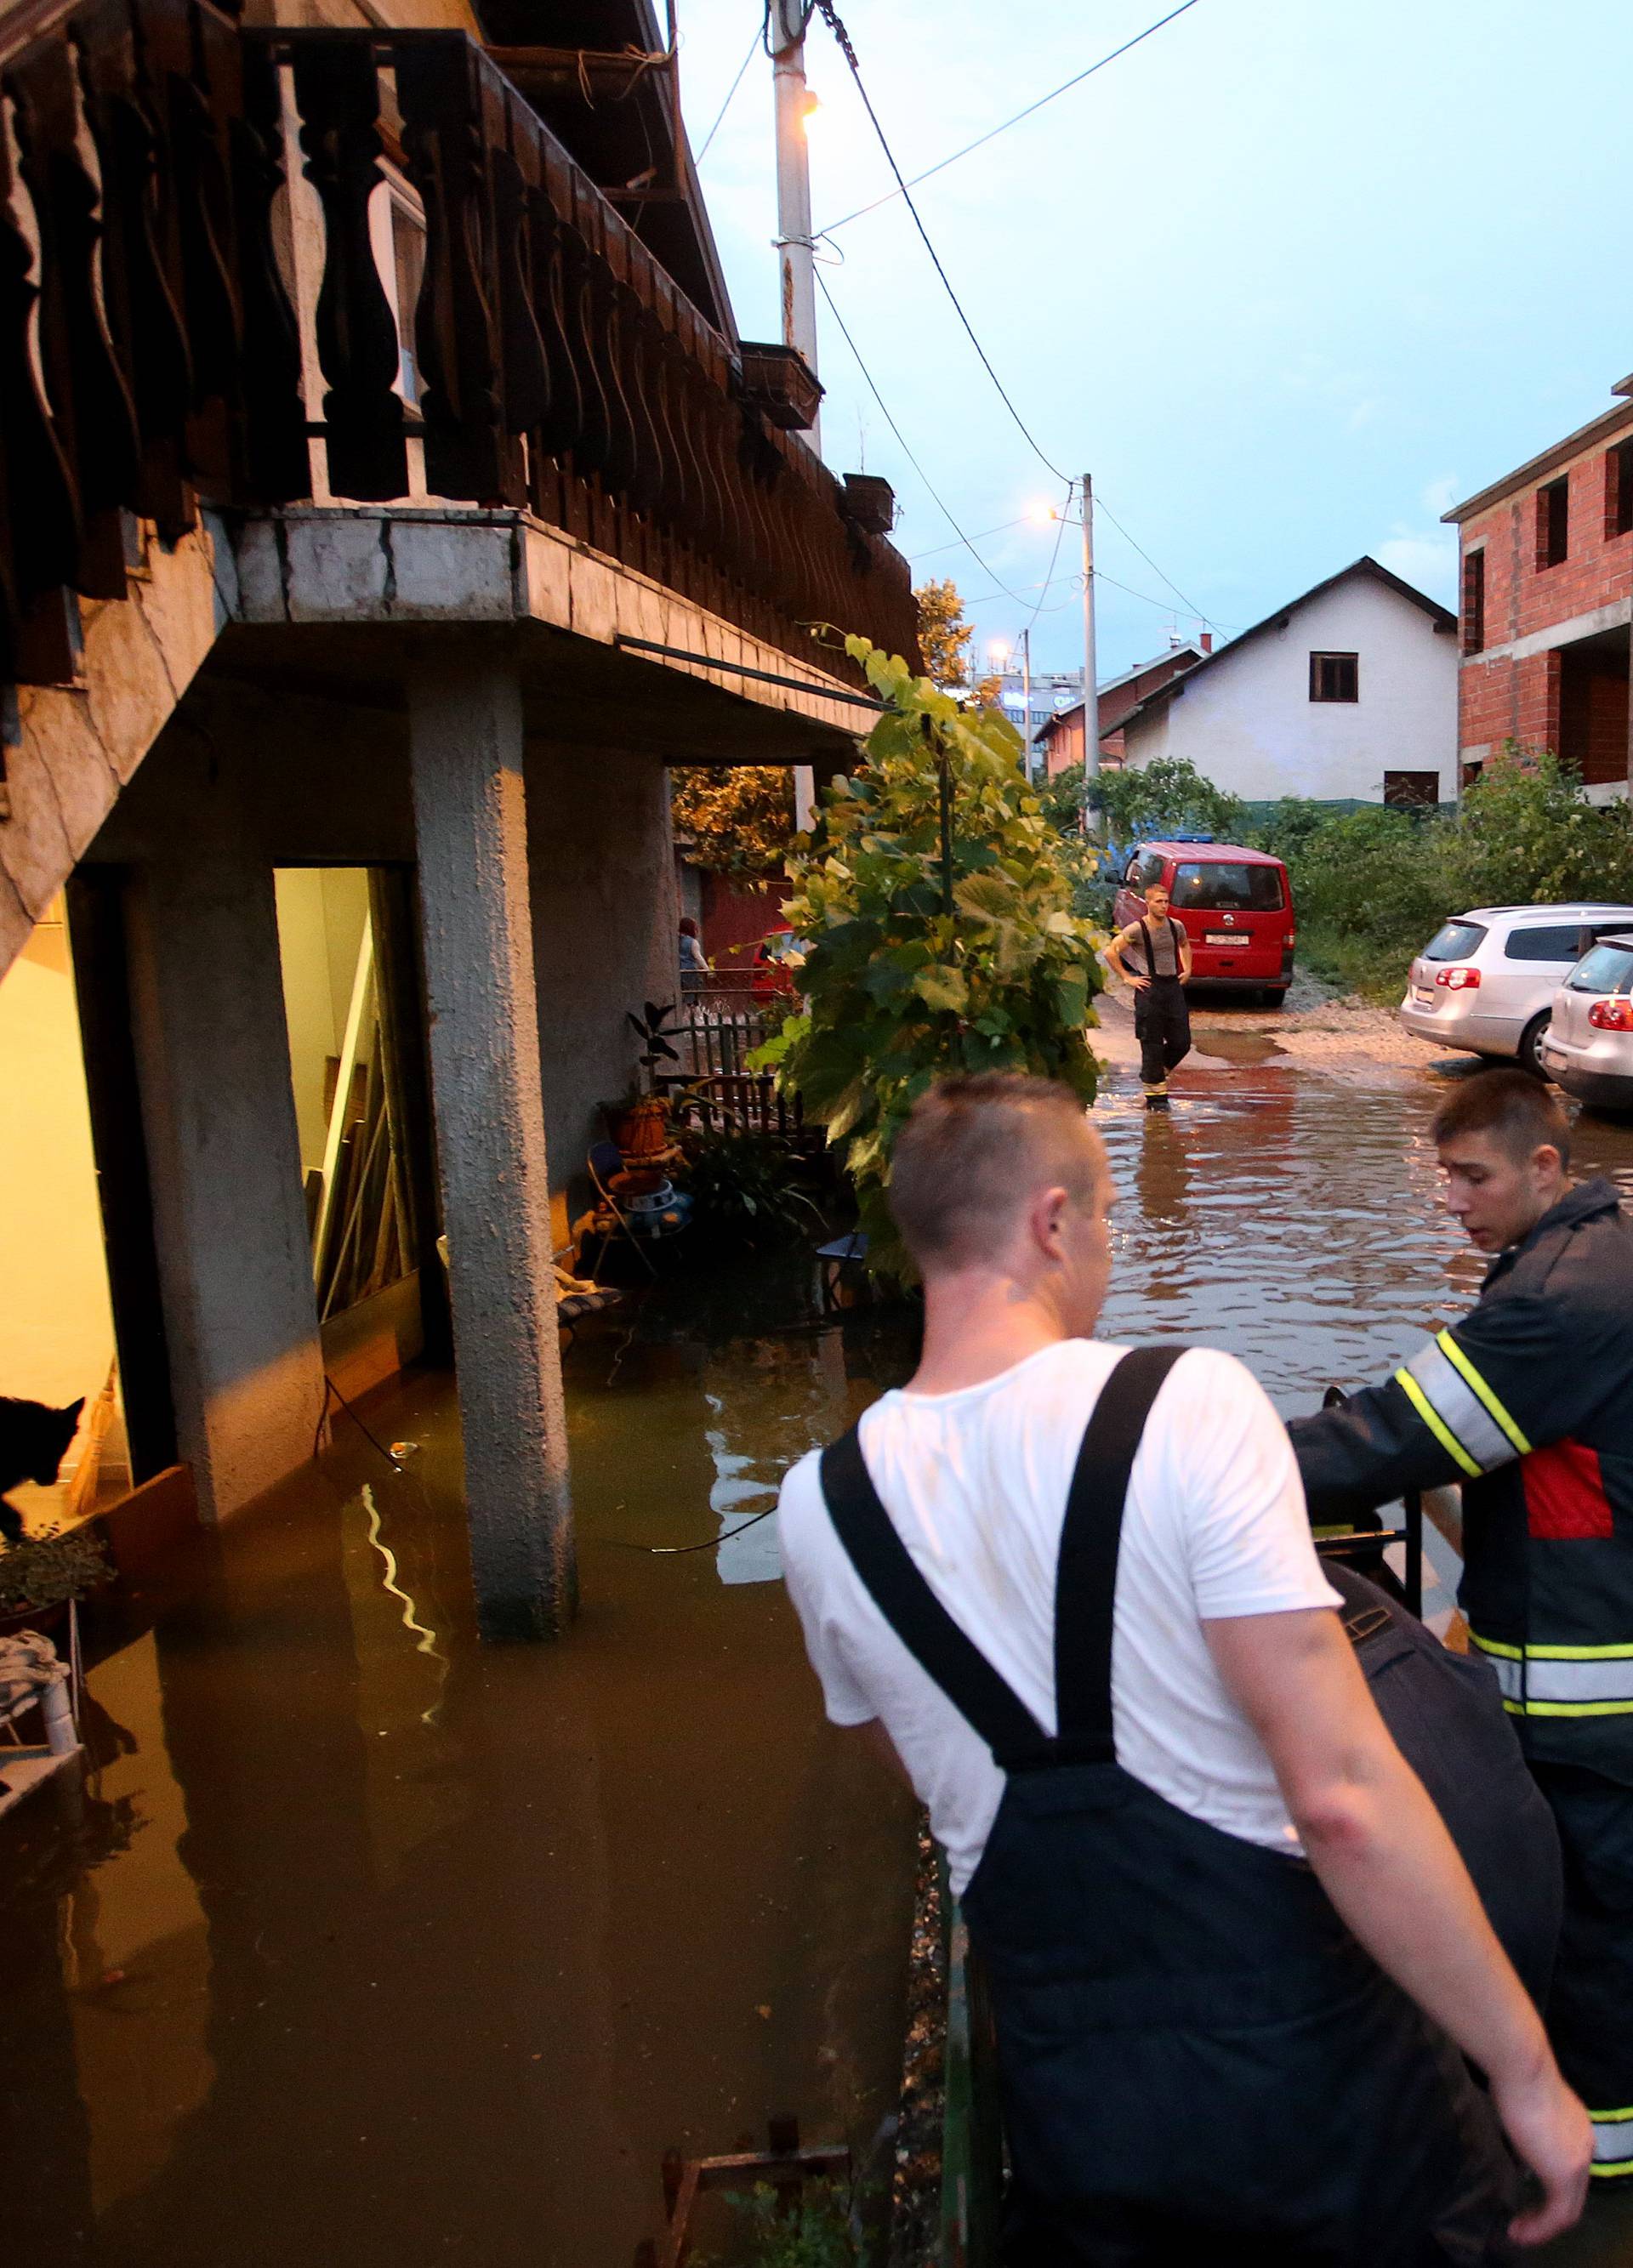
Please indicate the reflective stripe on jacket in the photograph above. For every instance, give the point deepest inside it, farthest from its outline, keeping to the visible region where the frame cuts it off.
(1528, 1402)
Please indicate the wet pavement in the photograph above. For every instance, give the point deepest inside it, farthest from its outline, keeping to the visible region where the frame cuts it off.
(369, 1946)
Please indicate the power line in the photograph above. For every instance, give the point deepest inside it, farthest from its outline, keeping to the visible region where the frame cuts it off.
(992, 132)
(901, 436)
(731, 92)
(1060, 530)
(1189, 605)
(830, 16)
(1003, 528)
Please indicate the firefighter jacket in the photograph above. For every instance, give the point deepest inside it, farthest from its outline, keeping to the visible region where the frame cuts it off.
(1528, 1402)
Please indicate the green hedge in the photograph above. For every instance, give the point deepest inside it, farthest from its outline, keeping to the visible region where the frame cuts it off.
(1371, 885)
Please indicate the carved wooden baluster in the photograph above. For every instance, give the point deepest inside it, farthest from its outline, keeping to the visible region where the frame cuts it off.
(525, 364)
(143, 313)
(337, 95)
(91, 406)
(594, 442)
(619, 467)
(469, 451)
(564, 423)
(42, 510)
(278, 463)
(704, 419)
(674, 508)
(202, 99)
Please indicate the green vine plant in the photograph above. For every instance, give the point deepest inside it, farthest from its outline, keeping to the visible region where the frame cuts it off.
(934, 899)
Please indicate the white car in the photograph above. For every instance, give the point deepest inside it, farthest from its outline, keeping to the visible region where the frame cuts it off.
(1588, 1045)
(1486, 982)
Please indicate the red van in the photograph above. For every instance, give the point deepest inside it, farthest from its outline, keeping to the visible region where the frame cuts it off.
(1237, 907)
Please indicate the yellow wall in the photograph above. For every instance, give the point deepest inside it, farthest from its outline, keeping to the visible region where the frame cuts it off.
(320, 913)
(57, 1329)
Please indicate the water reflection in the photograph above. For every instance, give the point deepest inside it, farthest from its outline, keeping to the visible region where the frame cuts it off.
(370, 1945)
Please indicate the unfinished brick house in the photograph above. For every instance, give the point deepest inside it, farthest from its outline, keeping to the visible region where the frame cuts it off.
(1547, 595)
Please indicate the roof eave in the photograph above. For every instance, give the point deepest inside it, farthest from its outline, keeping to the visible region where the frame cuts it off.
(1536, 469)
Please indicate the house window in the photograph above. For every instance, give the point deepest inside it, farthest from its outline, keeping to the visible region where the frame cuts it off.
(1553, 523)
(1411, 790)
(1335, 677)
(1474, 603)
(1619, 490)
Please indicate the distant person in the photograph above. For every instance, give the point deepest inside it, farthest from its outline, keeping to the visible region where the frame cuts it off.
(1159, 976)
(1071, 1590)
(694, 964)
(1528, 1401)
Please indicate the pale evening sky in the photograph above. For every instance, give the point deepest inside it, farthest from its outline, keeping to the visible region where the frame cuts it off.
(1288, 278)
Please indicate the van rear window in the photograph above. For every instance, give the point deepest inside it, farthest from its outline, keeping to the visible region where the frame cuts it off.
(1220, 886)
(1607, 968)
(1455, 942)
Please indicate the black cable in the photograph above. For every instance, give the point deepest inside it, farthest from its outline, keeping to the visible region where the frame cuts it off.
(720, 115)
(1190, 607)
(912, 459)
(992, 132)
(1060, 530)
(679, 1551)
(330, 1388)
(830, 17)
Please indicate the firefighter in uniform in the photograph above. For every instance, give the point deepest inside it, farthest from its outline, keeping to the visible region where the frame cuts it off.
(1527, 1402)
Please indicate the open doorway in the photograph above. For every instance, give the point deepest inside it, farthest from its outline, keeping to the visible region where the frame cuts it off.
(351, 1001)
(56, 1322)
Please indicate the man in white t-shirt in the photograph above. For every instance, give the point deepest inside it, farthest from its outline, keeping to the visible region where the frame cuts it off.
(1206, 1889)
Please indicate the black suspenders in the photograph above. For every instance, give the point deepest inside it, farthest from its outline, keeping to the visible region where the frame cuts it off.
(1085, 1582)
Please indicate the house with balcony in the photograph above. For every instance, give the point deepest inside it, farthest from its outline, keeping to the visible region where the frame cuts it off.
(1345, 694)
(1547, 583)
(386, 501)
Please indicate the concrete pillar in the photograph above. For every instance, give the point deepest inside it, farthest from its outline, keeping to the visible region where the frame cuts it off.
(465, 744)
(224, 1152)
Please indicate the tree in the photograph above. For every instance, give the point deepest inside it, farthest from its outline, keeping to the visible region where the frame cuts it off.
(943, 634)
(935, 899)
(739, 817)
(1168, 793)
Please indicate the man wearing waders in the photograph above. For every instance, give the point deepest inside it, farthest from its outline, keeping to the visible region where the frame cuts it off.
(1160, 973)
(1232, 1952)
(1528, 1401)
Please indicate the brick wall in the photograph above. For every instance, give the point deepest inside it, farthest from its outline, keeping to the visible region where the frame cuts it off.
(1543, 696)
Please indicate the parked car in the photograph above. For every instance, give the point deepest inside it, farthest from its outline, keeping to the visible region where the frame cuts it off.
(778, 959)
(1486, 982)
(1587, 1044)
(1236, 907)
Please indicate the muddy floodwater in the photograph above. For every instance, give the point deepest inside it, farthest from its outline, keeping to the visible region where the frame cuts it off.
(367, 1946)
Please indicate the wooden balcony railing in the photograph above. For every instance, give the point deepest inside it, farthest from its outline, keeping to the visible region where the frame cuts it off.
(558, 369)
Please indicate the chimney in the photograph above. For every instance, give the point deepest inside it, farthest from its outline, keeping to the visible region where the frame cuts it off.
(1206, 641)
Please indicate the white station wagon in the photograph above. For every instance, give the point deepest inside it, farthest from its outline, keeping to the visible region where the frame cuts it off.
(1486, 982)
(1588, 1045)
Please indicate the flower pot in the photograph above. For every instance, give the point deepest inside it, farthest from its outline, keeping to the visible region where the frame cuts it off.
(50, 1621)
(641, 1129)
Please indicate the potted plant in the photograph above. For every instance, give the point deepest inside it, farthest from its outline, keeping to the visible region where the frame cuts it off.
(41, 1577)
(640, 1125)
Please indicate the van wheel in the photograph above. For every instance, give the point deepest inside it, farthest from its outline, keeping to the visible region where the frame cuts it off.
(1528, 1054)
(1274, 996)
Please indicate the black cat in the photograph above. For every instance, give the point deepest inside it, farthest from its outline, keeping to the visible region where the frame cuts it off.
(33, 1441)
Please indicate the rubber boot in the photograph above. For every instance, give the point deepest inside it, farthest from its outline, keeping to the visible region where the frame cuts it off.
(1156, 1097)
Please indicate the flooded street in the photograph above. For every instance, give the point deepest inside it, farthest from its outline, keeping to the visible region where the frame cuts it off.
(370, 1946)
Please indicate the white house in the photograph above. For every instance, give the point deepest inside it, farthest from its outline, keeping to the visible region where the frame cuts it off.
(1347, 692)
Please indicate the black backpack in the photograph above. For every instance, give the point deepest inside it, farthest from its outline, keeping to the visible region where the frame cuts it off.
(1447, 1717)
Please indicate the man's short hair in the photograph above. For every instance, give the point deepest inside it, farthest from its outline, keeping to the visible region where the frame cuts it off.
(974, 1150)
(1516, 1110)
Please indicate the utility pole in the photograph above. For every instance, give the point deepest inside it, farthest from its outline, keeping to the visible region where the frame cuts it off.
(1091, 696)
(785, 23)
(1026, 695)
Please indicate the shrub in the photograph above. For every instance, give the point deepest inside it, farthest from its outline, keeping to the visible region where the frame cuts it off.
(935, 901)
(1372, 886)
